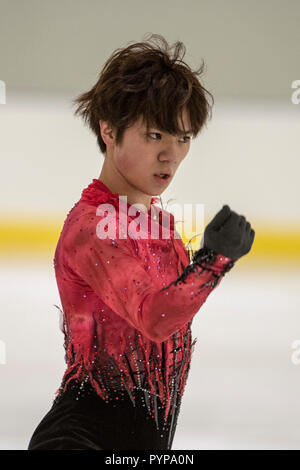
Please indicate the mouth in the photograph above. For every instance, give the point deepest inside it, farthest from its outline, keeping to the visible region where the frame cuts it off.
(163, 177)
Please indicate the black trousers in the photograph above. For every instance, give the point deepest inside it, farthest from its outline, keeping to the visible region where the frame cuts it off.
(88, 423)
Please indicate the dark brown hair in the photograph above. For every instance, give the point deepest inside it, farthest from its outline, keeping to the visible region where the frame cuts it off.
(144, 79)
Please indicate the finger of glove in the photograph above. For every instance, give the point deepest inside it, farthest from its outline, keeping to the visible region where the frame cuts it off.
(242, 222)
(232, 221)
(220, 218)
(248, 226)
(250, 240)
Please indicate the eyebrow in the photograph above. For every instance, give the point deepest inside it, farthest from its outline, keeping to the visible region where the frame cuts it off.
(181, 132)
(189, 131)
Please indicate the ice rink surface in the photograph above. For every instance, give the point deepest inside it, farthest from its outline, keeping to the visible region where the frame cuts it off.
(243, 387)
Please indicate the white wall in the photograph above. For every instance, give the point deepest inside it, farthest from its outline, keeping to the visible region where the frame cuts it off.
(247, 156)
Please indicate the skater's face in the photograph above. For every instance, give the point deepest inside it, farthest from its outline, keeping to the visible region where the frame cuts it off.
(143, 155)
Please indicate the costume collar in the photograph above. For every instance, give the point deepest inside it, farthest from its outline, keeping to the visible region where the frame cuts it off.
(97, 192)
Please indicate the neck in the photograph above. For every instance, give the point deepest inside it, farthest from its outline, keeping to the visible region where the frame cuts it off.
(116, 183)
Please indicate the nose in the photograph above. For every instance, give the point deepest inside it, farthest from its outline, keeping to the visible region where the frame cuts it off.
(169, 151)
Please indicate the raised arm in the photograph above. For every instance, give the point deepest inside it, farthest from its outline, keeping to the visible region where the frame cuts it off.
(116, 274)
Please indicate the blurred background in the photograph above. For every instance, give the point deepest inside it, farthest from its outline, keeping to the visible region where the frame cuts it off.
(244, 383)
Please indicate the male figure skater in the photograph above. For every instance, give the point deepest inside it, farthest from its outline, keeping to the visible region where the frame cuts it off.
(129, 301)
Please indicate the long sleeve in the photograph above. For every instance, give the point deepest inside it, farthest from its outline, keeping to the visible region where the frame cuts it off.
(117, 275)
(128, 303)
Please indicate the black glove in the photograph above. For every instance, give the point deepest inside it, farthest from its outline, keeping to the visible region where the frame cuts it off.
(229, 234)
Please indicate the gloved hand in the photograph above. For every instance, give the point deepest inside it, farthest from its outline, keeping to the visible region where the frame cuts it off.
(229, 234)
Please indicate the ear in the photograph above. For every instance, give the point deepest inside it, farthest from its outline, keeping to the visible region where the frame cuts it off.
(107, 132)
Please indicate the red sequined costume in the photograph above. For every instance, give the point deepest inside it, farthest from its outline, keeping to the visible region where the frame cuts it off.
(128, 303)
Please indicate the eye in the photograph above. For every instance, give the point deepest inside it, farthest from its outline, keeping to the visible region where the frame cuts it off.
(154, 133)
(187, 137)
(184, 137)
